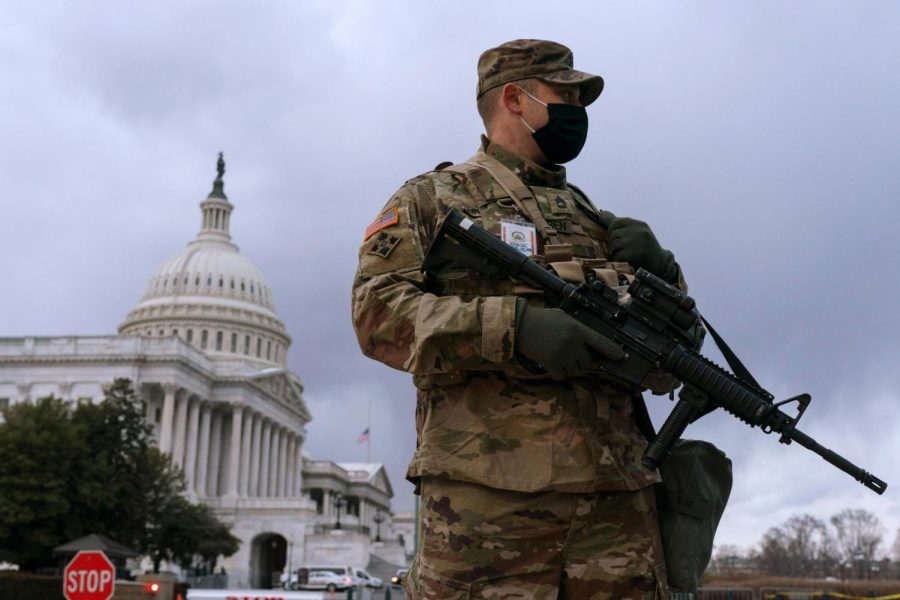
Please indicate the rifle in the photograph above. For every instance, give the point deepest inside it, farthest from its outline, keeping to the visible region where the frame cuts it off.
(655, 325)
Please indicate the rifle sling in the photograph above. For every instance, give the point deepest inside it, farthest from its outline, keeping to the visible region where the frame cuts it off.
(731, 358)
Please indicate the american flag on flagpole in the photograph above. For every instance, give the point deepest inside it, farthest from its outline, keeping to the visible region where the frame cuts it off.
(363, 437)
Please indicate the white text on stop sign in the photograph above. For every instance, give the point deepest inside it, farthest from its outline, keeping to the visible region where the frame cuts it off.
(88, 581)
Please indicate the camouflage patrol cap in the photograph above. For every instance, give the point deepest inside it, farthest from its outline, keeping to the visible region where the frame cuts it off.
(539, 59)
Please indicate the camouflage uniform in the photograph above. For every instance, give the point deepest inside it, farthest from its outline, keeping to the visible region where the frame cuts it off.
(527, 482)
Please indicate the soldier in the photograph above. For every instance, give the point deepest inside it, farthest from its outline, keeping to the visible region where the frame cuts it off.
(527, 456)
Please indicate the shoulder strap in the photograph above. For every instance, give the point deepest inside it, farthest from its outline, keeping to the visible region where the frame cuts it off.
(518, 191)
(601, 217)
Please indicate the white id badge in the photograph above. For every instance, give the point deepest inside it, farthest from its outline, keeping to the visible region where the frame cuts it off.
(521, 236)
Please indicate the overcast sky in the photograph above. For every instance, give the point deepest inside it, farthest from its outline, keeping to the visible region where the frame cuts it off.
(760, 139)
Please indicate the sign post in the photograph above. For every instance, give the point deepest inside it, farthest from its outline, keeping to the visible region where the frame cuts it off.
(89, 576)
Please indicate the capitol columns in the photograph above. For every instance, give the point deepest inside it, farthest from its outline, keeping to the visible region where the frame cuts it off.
(203, 458)
(298, 467)
(245, 453)
(273, 462)
(234, 460)
(182, 400)
(282, 467)
(217, 426)
(255, 450)
(190, 462)
(285, 463)
(264, 463)
(168, 417)
(291, 462)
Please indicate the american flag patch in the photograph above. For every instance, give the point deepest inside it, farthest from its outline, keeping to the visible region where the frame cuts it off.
(391, 217)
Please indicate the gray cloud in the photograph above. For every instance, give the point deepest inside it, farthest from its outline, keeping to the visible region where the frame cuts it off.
(760, 139)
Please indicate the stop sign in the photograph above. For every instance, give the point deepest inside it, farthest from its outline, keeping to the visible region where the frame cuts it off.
(89, 576)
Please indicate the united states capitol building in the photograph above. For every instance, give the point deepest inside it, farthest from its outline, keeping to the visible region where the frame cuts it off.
(207, 354)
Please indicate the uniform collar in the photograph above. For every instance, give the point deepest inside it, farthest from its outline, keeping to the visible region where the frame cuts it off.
(528, 171)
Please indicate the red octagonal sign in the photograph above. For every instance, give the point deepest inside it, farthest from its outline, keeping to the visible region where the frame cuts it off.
(89, 576)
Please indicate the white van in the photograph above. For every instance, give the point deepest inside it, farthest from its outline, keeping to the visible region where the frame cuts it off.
(369, 580)
(299, 579)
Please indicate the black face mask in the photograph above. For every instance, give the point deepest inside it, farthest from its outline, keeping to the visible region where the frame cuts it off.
(563, 137)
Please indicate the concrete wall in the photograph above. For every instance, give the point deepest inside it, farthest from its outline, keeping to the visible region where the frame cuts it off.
(337, 548)
(391, 552)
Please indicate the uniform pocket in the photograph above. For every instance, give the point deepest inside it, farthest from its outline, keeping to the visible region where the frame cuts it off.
(422, 582)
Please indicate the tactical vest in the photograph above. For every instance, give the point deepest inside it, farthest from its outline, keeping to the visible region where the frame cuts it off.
(567, 244)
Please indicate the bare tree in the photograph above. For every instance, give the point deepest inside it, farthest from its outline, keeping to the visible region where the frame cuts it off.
(728, 559)
(894, 570)
(859, 535)
(799, 547)
(897, 546)
(808, 545)
(773, 558)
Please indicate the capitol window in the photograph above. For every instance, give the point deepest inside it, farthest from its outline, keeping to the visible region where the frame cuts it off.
(316, 495)
(218, 340)
(233, 342)
(190, 336)
(352, 505)
(247, 344)
(269, 350)
(258, 347)
(204, 338)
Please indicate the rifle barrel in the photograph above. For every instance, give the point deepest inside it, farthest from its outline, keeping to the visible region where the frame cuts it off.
(861, 475)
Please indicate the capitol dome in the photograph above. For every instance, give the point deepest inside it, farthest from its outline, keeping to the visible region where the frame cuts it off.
(211, 296)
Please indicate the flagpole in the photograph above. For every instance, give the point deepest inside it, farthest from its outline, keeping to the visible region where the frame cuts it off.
(369, 438)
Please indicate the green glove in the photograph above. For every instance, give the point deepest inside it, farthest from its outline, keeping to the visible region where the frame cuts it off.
(558, 343)
(633, 242)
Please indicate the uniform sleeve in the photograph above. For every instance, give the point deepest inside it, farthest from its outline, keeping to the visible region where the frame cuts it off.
(680, 283)
(398, 322)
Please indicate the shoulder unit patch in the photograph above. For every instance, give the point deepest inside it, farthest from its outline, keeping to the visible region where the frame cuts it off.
(384, 244)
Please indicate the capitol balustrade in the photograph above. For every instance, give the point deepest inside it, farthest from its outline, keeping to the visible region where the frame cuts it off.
(321, 528)
(326, 468)
(122, 347)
